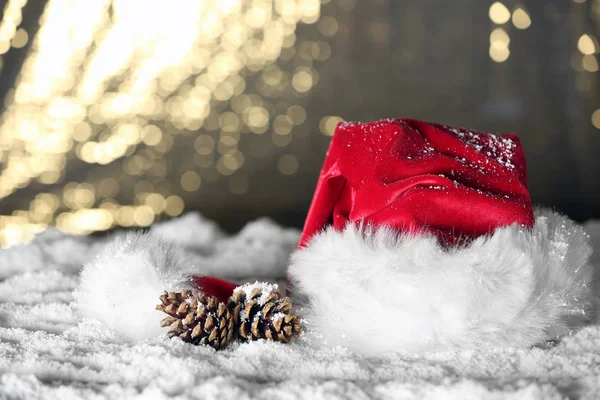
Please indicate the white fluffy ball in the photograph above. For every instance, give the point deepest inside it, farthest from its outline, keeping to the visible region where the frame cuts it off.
(122, 284)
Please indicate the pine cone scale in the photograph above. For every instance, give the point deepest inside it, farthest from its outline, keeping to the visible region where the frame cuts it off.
(262, 313)
(268, 307)
(249, 307)
(244, 330)
(170, 309)
(176, 325)
(254, 311)
(236, 313)
(196, 319)
(282, 338)
(254, 328)
(196, 331)
(272, 297)
(189, 319)
(182, 309)
(167, 321)
(277, 324)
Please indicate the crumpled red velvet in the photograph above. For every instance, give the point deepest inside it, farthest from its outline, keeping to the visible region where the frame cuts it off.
(414, 176)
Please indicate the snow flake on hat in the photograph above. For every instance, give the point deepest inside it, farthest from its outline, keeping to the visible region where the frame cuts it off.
(495, 147)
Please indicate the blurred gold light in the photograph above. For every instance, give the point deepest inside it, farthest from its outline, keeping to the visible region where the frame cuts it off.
(82, 132)
(282, 125)
(49, 200)
(49, 177)
(590, 63)
(499, 54)
(281, 140)
(89, 220)
(151, 135)
(328, 124)
(190, 181)
(596, 118)
(4, 46)
(13, 234)
(116, 85)
(204, 144)
(521, 19)
(297, 113)
(12, 17)
(143, 216)
(499, 13)
(125, 216)
(499, 41)
(20, 39)
(586, 45)
(328, 26)
(229, 122)
(230, 162)
(156, 201)
(302, 81)
(227, 142)
(257, 119)
(174, 205)
(288, 164)
(499, 38)
(108, 187)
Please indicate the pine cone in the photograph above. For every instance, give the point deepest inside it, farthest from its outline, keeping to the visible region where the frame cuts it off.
(197, 319)
(260, 312)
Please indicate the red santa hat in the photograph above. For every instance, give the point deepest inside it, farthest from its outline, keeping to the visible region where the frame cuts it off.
(418, 177)
(422, 236)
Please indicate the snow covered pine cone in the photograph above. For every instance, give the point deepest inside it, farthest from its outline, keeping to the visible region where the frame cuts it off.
(197, 319)
(255, 311)
(259, 312)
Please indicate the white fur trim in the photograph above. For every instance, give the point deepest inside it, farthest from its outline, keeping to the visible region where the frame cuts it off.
(375, 291)
(122, 284)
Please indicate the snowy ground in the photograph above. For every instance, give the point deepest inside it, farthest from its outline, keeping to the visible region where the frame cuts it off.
(49, 351)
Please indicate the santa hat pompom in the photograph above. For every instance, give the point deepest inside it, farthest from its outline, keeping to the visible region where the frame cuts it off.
(422, 237)
(122, 284)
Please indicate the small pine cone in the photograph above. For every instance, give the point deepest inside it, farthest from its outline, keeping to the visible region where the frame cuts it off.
(259, 312)
(197, 319)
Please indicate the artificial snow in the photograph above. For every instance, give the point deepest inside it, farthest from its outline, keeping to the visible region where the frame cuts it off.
(49, 351)
(264, 287)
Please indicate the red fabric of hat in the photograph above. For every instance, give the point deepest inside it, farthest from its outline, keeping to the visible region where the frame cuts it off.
(427, 233)
(420, 238)
(421, 177)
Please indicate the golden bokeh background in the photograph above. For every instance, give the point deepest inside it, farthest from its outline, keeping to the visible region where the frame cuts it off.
(120, 113)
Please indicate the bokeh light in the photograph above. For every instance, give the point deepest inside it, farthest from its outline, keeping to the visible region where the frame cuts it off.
(586, 44)
(520, 18)
(121, 113)
(110, 87)
(499, 13)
